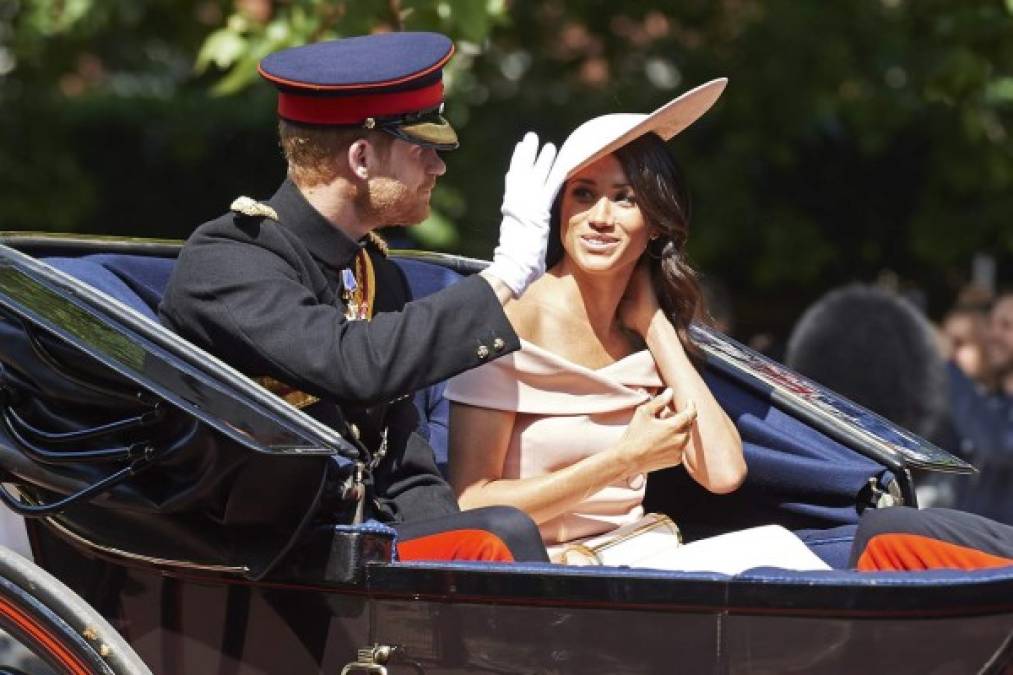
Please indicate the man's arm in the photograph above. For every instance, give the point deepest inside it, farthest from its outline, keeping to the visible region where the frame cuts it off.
(246, 304)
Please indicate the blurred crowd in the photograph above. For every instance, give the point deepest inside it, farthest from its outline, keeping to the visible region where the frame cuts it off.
(951, 383)
(977, 341)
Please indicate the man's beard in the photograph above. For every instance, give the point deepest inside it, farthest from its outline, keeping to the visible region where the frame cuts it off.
(390, 202)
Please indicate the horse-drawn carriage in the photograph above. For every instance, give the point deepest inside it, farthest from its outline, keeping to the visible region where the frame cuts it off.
(201, 516)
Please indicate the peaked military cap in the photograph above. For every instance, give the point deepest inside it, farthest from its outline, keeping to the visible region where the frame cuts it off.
(389, 81)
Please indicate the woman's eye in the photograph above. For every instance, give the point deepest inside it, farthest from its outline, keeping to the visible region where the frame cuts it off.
(626, 198)
(581, 193)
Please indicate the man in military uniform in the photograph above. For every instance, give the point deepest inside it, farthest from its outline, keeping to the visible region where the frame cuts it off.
(297, 290)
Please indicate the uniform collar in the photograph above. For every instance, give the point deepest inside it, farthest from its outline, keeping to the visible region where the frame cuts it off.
(324, 241)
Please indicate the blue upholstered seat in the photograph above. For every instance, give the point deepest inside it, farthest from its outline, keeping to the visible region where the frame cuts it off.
(135, 280)
(434, 410)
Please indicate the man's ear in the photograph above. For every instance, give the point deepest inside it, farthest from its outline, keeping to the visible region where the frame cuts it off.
(360, 158)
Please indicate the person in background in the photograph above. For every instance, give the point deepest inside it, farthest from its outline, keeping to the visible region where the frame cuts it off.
(964, 331)
(878, 349)
(984, 420)
(1000, 343)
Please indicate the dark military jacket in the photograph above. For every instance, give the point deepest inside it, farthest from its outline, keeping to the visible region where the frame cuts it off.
(265, 296)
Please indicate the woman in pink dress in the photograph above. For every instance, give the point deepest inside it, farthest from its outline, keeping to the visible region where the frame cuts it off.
(568, 428)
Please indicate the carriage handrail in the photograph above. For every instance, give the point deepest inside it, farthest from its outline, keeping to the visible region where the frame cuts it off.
(841, 419)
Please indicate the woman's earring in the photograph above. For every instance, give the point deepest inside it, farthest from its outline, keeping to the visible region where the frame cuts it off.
(653, 250)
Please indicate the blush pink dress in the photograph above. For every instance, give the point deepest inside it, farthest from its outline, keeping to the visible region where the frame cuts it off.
(565, 412)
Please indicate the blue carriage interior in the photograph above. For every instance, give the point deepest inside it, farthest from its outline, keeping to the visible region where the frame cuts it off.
(798, 477)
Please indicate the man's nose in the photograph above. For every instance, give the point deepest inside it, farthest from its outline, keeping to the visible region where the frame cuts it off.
(434, 163)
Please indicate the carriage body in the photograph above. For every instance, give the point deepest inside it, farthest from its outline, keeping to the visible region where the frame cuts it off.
(204, 569)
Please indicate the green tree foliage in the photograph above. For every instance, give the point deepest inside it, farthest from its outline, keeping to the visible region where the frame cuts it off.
(854, 138)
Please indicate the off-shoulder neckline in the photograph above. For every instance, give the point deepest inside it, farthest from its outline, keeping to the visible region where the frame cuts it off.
(527, 345)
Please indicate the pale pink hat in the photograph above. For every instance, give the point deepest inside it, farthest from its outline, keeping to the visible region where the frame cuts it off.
(600, 136)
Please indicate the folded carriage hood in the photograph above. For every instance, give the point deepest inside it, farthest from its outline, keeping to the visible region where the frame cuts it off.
(160, 362)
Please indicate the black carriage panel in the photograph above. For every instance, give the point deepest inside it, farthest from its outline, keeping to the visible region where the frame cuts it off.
(122, 337)
(130, 440)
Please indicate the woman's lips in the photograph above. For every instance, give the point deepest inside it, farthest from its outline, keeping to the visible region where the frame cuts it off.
(599, 243)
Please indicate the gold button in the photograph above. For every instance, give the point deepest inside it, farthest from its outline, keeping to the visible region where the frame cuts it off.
(498, 344)
(482, 351)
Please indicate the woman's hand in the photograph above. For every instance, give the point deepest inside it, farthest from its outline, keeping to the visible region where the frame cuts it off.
(639, 304)
(519, 258)
(657, 435)
(480, 438)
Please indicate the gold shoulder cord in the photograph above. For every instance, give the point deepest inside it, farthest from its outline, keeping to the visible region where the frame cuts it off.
(359, 299)
(365, 272)
(380, 243)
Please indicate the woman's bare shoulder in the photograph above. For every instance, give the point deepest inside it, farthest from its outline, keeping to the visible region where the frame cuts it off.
(525, 313)
(538, 318)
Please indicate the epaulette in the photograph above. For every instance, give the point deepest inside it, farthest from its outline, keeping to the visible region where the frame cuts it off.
(251, 207)
(379, 242)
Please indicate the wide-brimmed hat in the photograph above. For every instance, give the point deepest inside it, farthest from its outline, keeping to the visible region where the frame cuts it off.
(600, 136)
(391, 82)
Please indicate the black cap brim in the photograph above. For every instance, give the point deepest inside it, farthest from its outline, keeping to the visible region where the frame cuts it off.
(433, 132)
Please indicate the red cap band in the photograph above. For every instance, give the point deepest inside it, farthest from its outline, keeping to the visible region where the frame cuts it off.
(350, 110)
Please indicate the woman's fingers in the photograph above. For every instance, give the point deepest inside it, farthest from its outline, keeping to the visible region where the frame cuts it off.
(543, 164)
(683, 419)
(524, 153)
(654, 406)
(662, 406)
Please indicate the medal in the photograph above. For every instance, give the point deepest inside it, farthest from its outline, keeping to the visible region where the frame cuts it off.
(348, 281)
(351, 294)
(358, 288)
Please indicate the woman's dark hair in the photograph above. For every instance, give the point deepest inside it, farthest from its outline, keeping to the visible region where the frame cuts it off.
(663, 199)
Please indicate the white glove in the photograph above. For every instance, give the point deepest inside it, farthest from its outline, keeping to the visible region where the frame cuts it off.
(519, 258)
